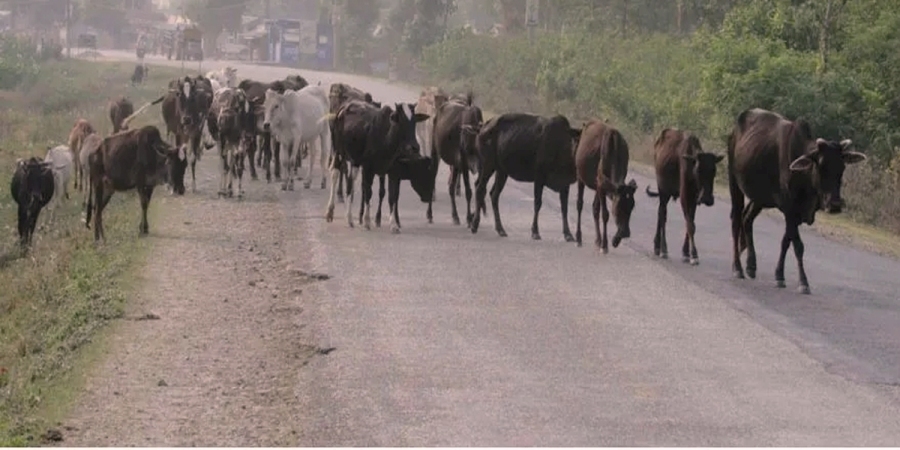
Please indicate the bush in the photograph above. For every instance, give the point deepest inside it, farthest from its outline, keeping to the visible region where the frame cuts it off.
(18, 62)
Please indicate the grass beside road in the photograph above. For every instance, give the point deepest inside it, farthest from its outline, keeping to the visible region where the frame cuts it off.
(56, 301)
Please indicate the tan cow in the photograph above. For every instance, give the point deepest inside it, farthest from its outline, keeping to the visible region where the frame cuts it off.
(81, 130)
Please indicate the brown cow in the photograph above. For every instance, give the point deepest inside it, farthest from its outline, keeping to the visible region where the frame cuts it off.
(80, 131)
(601, 163)
(683, 170)
(776, 163)
(133, 159)
(119, 109)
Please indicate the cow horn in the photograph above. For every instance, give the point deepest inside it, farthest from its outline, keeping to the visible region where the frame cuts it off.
(820, 141)
(846, 143)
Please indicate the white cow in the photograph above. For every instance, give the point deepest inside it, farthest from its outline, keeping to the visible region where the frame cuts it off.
(61, 162)
(226, 77)
(298, 118)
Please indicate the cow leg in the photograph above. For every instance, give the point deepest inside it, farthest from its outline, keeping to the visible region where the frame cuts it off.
(239, 171)
(660, 248)
(465, 176)
(380, 201)
(23, 225)
(145, 193)
(251, 153)
(324, 153)
(312, 154)
(604, 210)
(579, 205)
(394, 202)
(223, 172)
(352, 172)
(564, 208)
(737, 209)
(689, 249)
(454, 179)
(368, 179)
(102, 194)
(335, 179)
(496, 189)
(195, 156)
(340, 188)
(480, 191)
(792, 236)
(538, 201)
(276, 158)
(599, 197)
(750, 213)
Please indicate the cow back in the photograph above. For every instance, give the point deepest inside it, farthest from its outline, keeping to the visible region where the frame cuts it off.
(129, 159)
(669, 150)
(602, 156)
(528, 146)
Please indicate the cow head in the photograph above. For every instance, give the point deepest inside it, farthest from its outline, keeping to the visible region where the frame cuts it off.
(37, 176)
(188, 103)
(825, 162)
(402, 134)
(418, 169)
(174, 161)
(622, 206)
(231, 77)
(703, 168)
(273, 110)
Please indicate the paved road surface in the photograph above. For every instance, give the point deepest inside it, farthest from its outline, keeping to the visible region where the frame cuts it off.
(445, 338)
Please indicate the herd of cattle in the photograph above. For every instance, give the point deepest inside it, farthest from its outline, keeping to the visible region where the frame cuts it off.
(772, 161)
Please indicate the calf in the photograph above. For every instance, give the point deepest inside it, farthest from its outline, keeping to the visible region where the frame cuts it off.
(531, 149)
(682, 168)
(601, 163)
(89, 146)
(381, 141)
(119, 109)
(80, 131)
(61, 162)
(135, 159)
(32, 187)
(456, 125)
(776, 163)
(232, 122)
(296, 118)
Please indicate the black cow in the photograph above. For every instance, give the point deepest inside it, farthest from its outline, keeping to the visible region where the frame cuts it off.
(32, 188)
(456, 125)
(184, 111)
(232, 123)
(338, 95)
(381, 141)
(531, 149)
(119, 109)
(140, 74)
(135, 159)
(776, 163)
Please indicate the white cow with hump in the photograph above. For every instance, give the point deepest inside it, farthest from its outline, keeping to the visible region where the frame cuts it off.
(226, 77)
(295, 119)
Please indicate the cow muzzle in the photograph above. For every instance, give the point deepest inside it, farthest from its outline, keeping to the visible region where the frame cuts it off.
(623, 233)
(707, 200)
(267, 127)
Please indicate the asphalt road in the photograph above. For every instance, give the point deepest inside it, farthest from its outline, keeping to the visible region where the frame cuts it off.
(445, 338)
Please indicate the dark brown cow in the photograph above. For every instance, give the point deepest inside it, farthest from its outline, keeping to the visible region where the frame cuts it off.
(80, 131)
(456, 125)
(119, 109)
(134, 159)
(776, 163)
(601, 162)
(683, 170)
(531, 149)
(338, 95)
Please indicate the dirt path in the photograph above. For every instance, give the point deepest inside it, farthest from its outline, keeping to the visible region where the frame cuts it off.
(219, 365)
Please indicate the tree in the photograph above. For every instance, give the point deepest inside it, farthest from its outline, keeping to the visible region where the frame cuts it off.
(215, 16)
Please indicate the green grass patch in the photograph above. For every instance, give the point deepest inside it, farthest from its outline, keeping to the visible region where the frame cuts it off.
(56, 300)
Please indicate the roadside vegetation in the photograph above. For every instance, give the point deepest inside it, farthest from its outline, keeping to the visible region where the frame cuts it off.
(56, 299)
(694, 64)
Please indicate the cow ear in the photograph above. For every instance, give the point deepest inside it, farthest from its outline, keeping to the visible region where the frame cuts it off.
(853, 157)
(419, 117)
(719, 158)
(802, 164)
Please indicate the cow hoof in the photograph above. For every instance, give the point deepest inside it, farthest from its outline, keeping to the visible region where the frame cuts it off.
(569, 238)
(283, 187)
(604, 250)
(535, 236)
(695, 262)
(323, 185)
(738, 274)
(780, 284)
(307, 185)
(395, 230)
(501, 233)
(804, 290)
(751, 273)
(290, 187)
(456, 220)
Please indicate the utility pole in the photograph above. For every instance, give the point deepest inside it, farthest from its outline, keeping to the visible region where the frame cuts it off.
(69, 29)
(268, 9)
